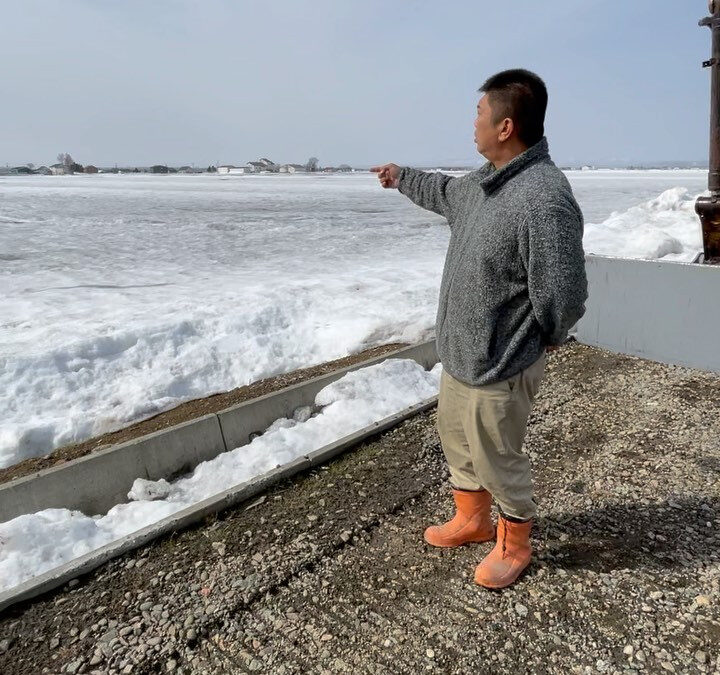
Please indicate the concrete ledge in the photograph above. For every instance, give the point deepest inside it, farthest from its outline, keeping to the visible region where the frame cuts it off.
(95, 483)
(252, 417)
(60, 575)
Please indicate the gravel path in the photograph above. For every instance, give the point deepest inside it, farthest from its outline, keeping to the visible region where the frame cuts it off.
(328, 573)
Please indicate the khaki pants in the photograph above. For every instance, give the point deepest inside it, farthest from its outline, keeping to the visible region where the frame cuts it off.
(482, 430)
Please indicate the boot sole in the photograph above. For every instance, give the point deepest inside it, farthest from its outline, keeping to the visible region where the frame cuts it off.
(522, 573)
(464, 543)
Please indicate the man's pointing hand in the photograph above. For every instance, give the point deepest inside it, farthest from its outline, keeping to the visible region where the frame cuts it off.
(388, 174)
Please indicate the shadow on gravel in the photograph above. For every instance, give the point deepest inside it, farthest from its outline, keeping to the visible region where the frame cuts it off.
(671, 534)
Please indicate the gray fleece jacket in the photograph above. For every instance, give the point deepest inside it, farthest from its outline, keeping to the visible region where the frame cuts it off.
(514, 277)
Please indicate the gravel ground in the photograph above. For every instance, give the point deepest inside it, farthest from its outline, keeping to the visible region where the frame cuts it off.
(328, 573)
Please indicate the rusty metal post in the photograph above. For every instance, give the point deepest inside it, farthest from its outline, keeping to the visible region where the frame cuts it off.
(708, 208)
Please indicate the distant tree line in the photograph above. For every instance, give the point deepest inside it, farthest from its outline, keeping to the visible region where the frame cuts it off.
(71, 166)
(66, 164)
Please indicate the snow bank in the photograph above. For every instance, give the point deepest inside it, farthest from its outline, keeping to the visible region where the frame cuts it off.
(77, 389)
(34, 543)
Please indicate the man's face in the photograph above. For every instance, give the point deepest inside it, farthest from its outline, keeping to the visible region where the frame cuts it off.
(486, 133)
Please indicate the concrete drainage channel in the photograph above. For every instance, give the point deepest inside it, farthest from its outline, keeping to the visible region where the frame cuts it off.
(97, 482)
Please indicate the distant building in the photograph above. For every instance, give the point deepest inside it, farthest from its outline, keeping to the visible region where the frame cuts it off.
(262, 165)
(233, 170)
(292, 168)
(268, 164)
(159, 168)
(343, 168)
(15, 171)
(59, 169)
(43, 171)
(91, 169)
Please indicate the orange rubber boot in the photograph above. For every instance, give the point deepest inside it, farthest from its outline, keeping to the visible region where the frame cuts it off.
(511, 555)
(471, 523)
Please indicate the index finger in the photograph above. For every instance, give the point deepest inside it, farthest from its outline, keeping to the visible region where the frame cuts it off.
(376, 169)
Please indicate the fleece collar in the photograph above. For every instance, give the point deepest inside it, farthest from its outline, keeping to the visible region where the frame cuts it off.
(499, 177)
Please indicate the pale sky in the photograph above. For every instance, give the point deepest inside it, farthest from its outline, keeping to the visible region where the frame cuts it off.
(190, 81)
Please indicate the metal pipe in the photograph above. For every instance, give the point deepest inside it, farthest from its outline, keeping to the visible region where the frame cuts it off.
(708, 208)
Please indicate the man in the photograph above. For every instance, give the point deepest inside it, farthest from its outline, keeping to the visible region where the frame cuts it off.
(513, 285)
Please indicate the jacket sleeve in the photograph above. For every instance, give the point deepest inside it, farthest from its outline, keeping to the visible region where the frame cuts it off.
(555, 263)
(431, 191)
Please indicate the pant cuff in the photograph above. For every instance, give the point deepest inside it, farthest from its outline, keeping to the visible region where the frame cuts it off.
(455, 487)
(513, 519)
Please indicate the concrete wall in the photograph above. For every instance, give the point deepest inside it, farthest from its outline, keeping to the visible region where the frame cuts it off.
(95, 483)
(663, 311)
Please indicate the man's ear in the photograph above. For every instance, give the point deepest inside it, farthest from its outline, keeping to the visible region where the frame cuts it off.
(506, 129)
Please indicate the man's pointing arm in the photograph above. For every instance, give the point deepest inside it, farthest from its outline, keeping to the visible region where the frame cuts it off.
(428, 190)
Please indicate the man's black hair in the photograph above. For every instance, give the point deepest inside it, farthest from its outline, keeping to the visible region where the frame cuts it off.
(521, 96)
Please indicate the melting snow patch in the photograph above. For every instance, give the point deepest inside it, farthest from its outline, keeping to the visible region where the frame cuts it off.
(148, 490)
(34, 543)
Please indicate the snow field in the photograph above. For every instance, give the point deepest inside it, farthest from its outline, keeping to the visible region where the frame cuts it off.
(124, 296)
